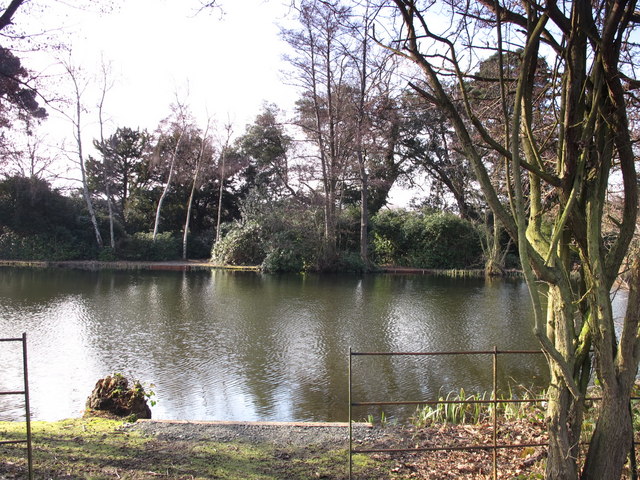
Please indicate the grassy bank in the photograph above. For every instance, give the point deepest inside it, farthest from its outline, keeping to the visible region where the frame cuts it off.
(100, 449)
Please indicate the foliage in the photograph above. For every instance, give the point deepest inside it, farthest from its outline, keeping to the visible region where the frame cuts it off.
(61, 246)
(424, 240)
(241, 245)
(281, 236)
(141, 246)
(17, 97)
(39, 223)
(463, 408)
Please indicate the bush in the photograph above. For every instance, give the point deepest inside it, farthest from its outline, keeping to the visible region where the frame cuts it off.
(55, 247)
(199, 246)
(281, 236)
(351, 262)
(242, 245)
(424, 240)
(141, 247)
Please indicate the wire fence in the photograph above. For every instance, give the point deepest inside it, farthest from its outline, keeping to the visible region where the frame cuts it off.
(25, 393)
(493, 401)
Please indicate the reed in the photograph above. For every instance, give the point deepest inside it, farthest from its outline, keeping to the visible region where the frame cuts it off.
(462, 408)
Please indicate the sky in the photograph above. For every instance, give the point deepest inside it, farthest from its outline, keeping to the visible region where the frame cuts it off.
(223, 63)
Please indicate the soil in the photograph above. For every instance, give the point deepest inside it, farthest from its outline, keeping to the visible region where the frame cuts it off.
(524, 462)
(279, 434)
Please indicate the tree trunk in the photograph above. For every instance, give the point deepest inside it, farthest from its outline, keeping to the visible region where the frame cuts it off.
(220, 192)
(611, 439)
(364, 216)
(494, 266)
(156, 224)
(185, 236)
(563, 439)
(193, 193)
(85, 187)
(112, 236)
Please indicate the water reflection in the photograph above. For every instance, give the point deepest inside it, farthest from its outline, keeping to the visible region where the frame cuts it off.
(243, 346)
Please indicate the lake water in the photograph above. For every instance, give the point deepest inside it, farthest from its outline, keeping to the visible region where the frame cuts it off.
(244, 346)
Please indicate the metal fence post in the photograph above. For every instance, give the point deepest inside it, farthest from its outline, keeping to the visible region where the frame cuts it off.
(495, 413)
(350, 420)
(27, 406)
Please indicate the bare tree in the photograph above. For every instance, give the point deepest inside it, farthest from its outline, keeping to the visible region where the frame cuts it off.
(79, 86)
(555, 202)
(203, 153)
(228, 128)
(169, 146)
(30, 156)
(106, 85)
(324, 70)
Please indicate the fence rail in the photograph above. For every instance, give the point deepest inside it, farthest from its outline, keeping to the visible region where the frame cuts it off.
(494, 446)
(27, 409)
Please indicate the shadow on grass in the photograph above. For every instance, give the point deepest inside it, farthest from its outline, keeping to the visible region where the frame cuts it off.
(96, 450)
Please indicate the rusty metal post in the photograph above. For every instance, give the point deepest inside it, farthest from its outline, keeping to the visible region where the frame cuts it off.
(27, 406)
(350, 420)
(495, 413)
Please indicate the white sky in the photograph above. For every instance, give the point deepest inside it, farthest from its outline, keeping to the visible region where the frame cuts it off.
(224, 65)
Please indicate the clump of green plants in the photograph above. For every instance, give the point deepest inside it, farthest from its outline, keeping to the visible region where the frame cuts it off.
(384, 420)
(463, 408)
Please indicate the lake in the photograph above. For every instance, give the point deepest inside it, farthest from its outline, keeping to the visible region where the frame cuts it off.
(226, 345)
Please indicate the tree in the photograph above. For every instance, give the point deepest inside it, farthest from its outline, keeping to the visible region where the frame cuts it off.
(28, 156)
(124, 165)
(266, 146)
(202, 156)
(167, 154)
(556, 202)
(106, 85)
(78, 85)
(373, 71)
(323, 111)
(428, 142)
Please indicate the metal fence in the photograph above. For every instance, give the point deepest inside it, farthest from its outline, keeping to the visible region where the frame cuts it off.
(24, 392)
(494, 446)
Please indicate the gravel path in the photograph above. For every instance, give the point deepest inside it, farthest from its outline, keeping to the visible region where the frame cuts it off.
(275, 433)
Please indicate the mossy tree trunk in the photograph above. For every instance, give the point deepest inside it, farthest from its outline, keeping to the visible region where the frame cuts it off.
(555, 202)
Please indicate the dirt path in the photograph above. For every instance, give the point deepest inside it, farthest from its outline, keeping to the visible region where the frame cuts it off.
(280, 434)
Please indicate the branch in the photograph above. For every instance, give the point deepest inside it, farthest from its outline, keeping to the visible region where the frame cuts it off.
(7, 16)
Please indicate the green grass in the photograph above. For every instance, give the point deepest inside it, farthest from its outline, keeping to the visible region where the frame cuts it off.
(100, 449)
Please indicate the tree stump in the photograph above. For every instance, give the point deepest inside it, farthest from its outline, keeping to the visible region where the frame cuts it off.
(113, 396)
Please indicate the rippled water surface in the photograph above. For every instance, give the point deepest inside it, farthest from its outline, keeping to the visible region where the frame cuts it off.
(244, 346)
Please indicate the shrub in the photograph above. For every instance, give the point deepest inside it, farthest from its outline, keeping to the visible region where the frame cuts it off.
(140, 246)
(424, 240)
(242, 245)
(281, 236)
(199, 246)
(56, 246)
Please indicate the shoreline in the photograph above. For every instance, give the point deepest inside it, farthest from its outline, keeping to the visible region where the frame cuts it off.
(205, 265)
(95, 265)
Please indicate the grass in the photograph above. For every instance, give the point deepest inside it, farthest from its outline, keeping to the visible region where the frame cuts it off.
(100, 449)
